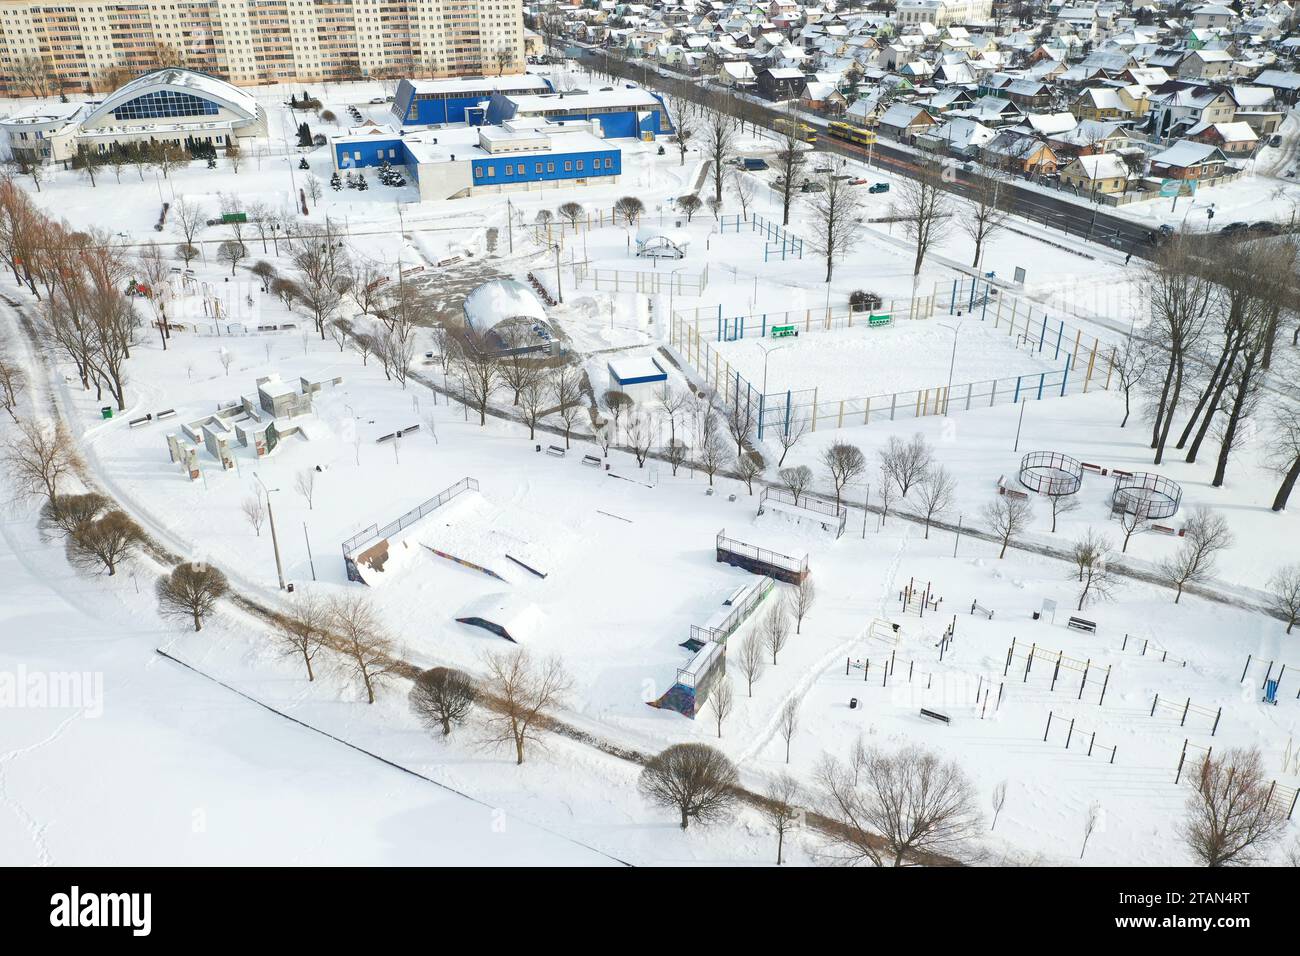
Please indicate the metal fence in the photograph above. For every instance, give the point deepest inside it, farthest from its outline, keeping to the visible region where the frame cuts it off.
(761, 555)
(736, 618)
(835, 514)
(1085, 365)
(779, 242)
(374, 533)
(653, 282)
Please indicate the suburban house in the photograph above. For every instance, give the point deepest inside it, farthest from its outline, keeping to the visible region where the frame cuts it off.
(1234, 139)
(1188, 160)
(905, 122)
(1104, 173)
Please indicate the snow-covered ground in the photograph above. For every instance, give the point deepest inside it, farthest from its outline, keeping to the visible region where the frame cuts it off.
(629, 563)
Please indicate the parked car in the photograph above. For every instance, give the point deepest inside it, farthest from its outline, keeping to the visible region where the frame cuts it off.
(879, 188)
(753, 163)
(1275, 139)
(859, 182)
(1265, 227)
(1232, 228)
(376, 99)
(811, 187)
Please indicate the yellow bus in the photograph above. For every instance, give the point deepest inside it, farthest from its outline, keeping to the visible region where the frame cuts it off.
(801, 131)
(854, 134)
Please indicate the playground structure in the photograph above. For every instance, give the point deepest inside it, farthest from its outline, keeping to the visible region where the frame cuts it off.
(369, 547)
(918, 601)
(1186, 708)
(1051, 473)
(657, 243)
(1071, 733)
(1271, 685)
(824, 511)
(1145, 495)
(1059, 662)
(1164, 654)
(757, 560)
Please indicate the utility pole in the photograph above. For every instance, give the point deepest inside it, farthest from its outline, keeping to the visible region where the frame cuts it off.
(275, 541)
(510, 225)
(1018, 424)
(311, 562)
(559, 291)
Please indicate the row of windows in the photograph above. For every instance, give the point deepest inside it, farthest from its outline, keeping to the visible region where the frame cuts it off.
(490, 172)
(164, 103)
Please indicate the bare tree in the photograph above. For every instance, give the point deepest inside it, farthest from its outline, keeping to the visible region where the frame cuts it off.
(900, 807)
(801, 601)
(640, 438)
(844, 463)
(722, 700)
(750, 660)
(522, 690)
(1284, 587)
(191, 591)
(886, 488)
(104, 542)
(999, 801)
(718, 142)
(788, 163)
(1284, 450)
(1133, 363)
(630, 208)
(696, 780)
(713, 453)
(925, 209)
(936, 494)
(1091, 555)
(781, 808)
(689, 204)
(371, 655)
(1229, 820)
(1061, 504)
(517, 367)
(1008, 517)
(906, 463)
(1130, 523)
(985, 214)
(775, 630)
(748, 467)
(676, 452)
(743, 186)
(566, 393)
(303, 629)
(836, 219)
(254, 513)
(189, 219)
(796, 479)
(65, 513)
(740, 423)
(789, 436)
(1179, 295)
(533, 403)
(37, 458)
(305, 484)
(685, 116)
(442, 697)
(1204, 536)
(12, 385)
(479, 370)
(1089, 825)
(571, 212)
(788, 724)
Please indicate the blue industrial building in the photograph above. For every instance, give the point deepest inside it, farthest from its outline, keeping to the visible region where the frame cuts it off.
(522, 154)
(435, 102)
(625, 112)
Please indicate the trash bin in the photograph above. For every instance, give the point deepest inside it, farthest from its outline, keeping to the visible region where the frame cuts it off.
(539, 447)
(289, 587)
(106, 411)
(853, 703)
(1037, 615)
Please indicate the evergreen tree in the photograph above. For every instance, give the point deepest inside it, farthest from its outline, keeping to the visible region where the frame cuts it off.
(302, 163)
(362, 185)
(335, 183)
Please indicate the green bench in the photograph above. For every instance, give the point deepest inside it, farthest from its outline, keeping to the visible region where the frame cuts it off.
(783, 331)
(886, 318)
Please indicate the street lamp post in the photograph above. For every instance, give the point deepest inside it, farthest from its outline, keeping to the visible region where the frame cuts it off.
(275, 541)
(767, 354)
(952, 364)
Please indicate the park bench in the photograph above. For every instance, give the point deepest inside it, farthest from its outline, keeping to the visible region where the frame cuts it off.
(1089, 466)
(591, 460)
(783, 331)
(976, 606)
(935, 715)
(167, 413)
(1165, 529)
(1120, 473)
(1079, 624)
(139, 421)
(383, 438)
(403, 432)
(874, 321)
(555, 450)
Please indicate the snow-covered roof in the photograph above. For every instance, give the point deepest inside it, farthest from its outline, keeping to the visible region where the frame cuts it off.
(1187, 153)
(209, 88)
(499, 300)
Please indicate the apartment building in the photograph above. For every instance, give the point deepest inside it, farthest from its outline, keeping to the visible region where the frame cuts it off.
(940, 13)
(97, 45)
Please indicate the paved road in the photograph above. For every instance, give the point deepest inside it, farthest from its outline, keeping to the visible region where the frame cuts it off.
(1071, 218)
